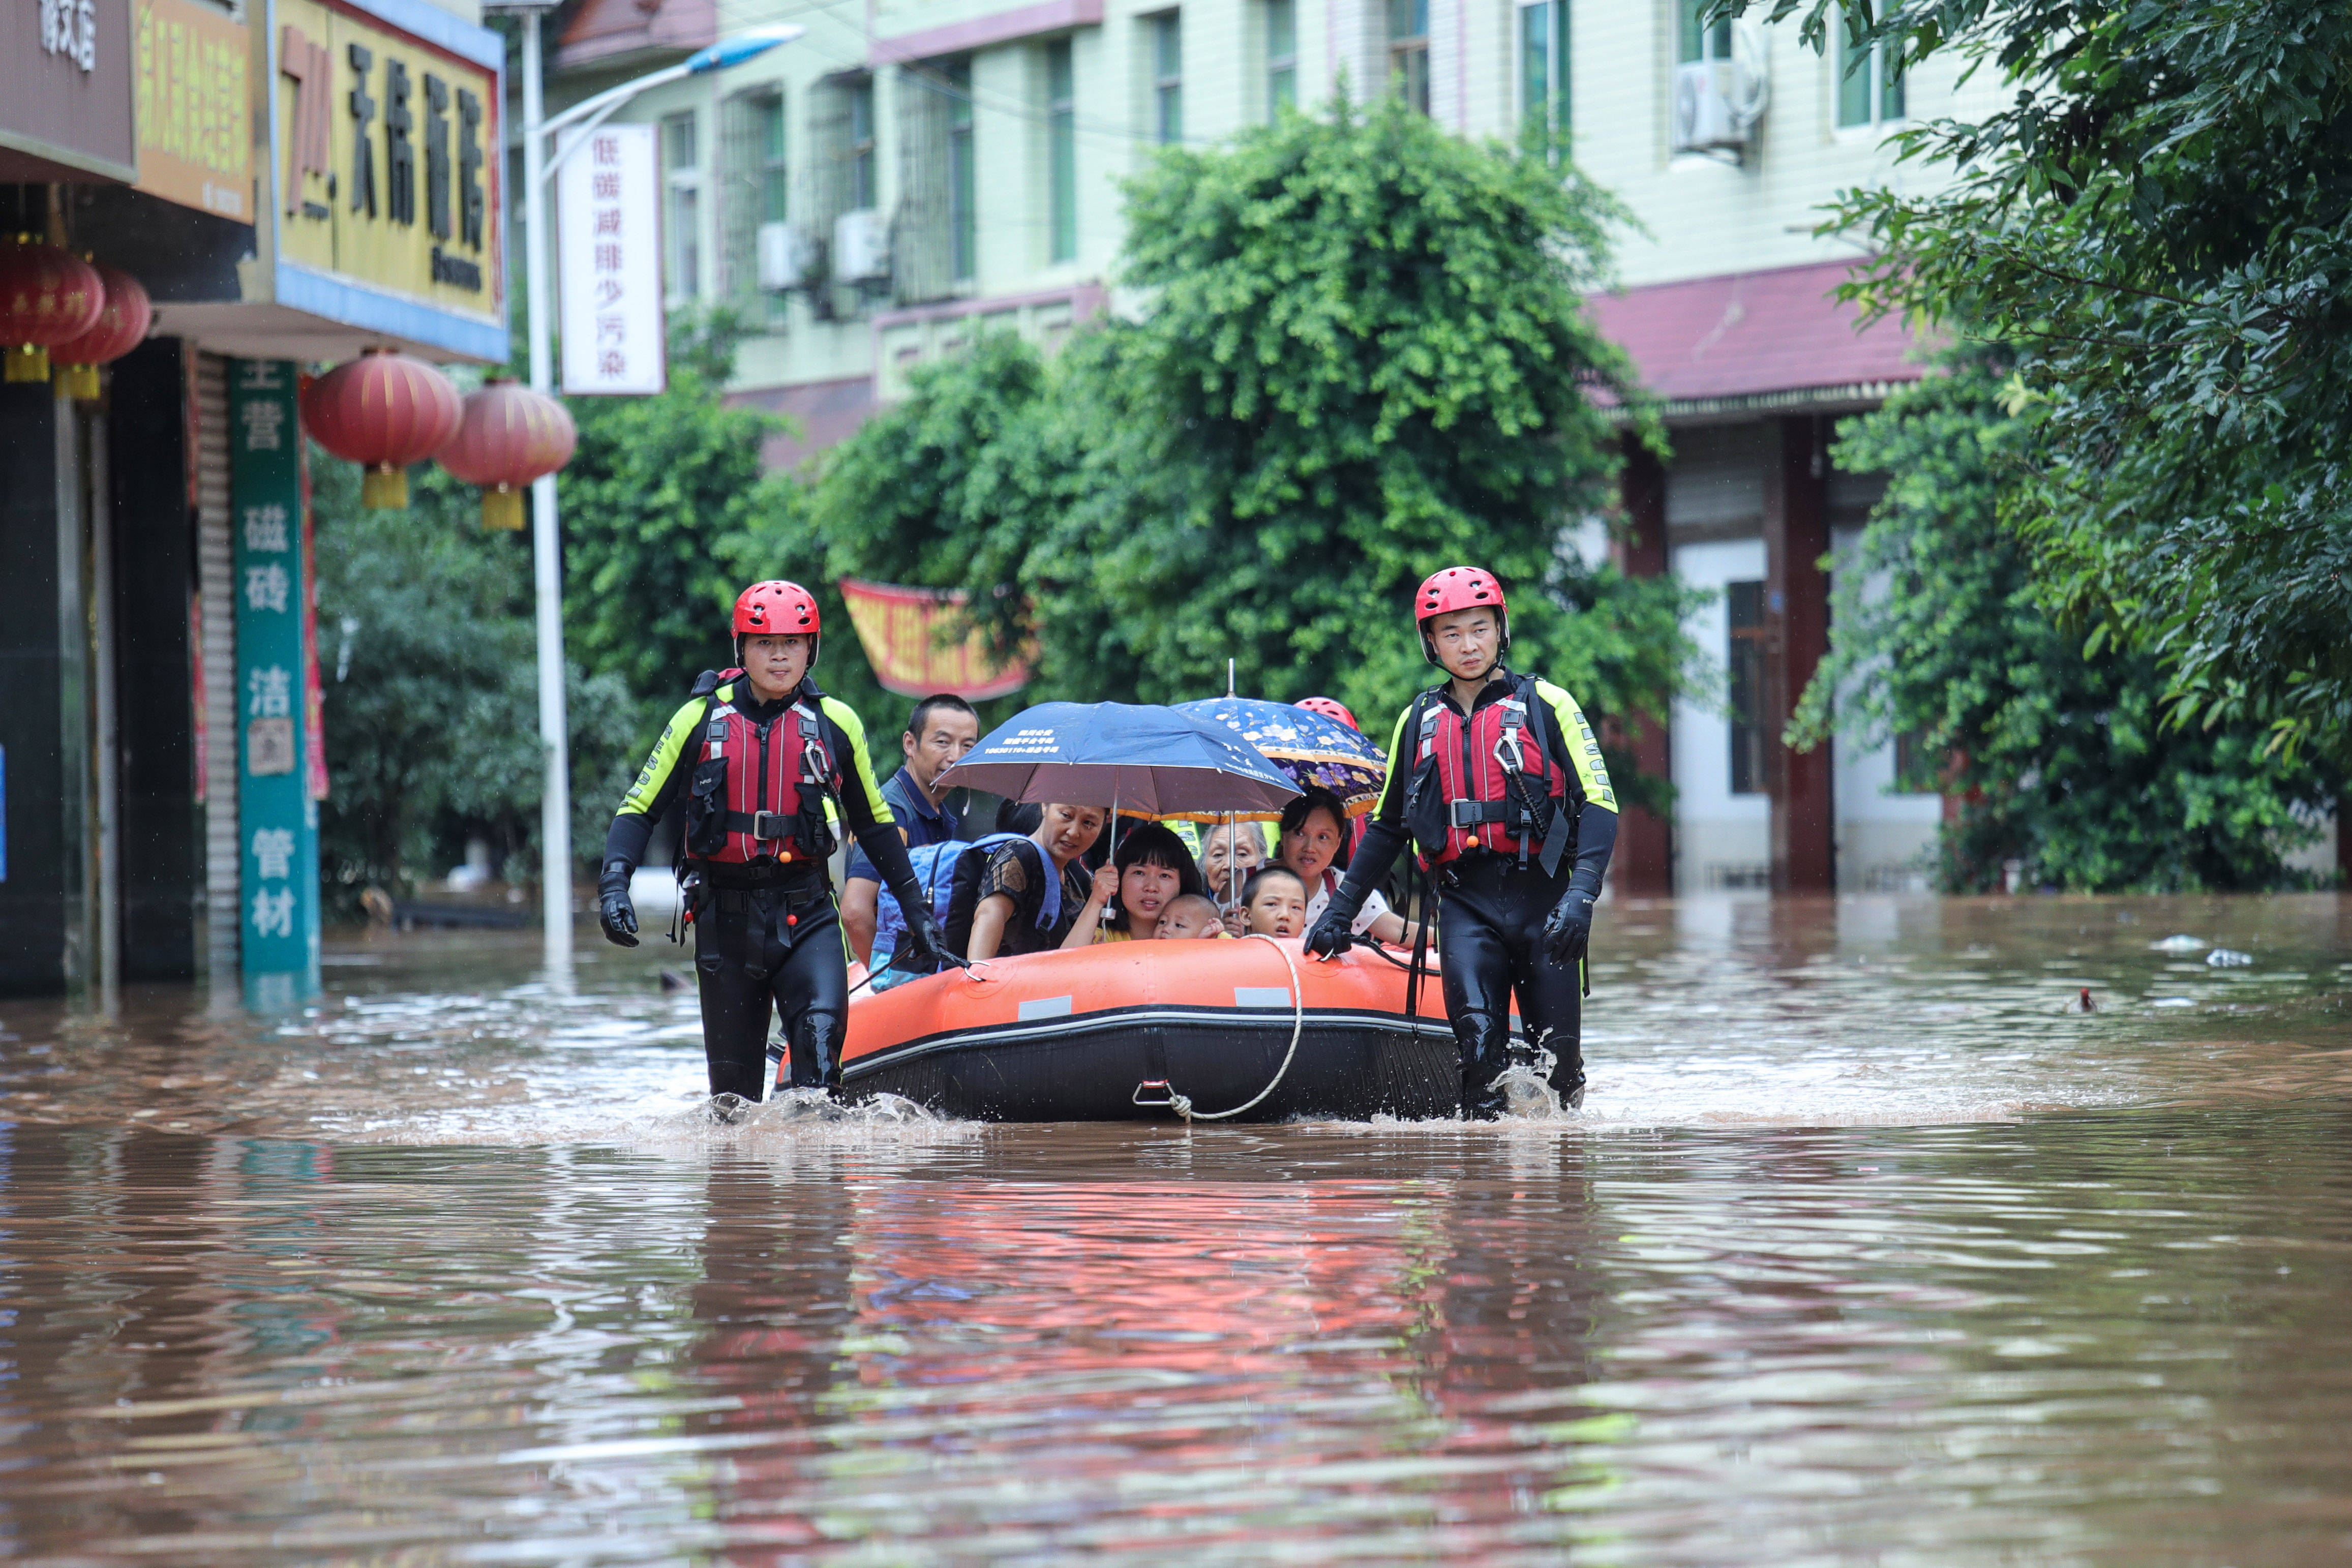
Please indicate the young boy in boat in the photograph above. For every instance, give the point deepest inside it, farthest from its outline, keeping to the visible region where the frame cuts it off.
(1274, 902)
(1190, 915)
(1496, 779)
(767, 765)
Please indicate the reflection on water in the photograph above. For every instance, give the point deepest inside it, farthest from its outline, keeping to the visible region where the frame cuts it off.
(1865, 1251)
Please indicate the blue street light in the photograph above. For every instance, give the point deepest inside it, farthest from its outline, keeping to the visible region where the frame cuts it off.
(748, 44)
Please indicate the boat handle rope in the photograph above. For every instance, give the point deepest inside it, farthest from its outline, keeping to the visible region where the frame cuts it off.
(1182, 1104)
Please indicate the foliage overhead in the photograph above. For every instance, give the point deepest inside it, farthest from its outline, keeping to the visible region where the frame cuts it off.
(2160, 223)
(668, 514)
(2061, 761)
(430, 670)
(1362, 357)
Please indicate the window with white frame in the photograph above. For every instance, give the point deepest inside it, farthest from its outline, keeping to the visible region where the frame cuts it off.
(1061, 152)
(1168, 77)
(964, 184)
(775, 174)
(864, 189)
(1697, 40)
(1543, 66)
(1281, 55)
(682, 203)
(1870, 76)
(1409, 51)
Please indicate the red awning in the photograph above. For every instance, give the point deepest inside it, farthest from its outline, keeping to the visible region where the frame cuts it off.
(1772, 337)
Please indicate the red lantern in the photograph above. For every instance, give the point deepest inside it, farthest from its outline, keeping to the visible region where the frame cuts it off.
(47, 296)
(510, 435)
(385, 411)
(122, 324)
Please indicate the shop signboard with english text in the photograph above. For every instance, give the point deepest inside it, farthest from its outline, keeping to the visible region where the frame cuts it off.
(389, 163)
(608, 252)
(277, 813)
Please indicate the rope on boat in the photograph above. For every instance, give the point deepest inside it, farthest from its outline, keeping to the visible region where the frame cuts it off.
(1182, 1104)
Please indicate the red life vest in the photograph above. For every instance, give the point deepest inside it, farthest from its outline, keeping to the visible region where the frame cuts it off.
(760, 794)
(1488, 780)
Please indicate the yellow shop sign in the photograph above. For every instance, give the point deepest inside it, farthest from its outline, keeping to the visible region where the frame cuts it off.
(193, 100)
(389, 153)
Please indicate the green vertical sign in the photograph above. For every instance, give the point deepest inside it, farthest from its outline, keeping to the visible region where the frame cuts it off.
(278, 822)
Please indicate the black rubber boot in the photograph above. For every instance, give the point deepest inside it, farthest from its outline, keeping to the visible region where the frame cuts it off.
(1486, 1045)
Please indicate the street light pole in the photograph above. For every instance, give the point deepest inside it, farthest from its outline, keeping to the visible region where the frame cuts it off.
(554, 730)
(554, 733)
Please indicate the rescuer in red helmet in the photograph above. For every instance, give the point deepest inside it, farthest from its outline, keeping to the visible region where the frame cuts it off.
(1496, 779)
(1330, 708)
(769, 767)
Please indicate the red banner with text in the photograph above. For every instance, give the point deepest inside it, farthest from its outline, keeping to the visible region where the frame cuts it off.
(918, 642)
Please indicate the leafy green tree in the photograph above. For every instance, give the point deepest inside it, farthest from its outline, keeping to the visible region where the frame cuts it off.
(2061, 760)
(429, 664)
(668, 514)
(2160, 221)
(1362, 357)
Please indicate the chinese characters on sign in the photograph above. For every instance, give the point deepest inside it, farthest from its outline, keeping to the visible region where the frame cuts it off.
(69, 27)
(195, 144)
(389, 170)
(277, 815)
(608, 249)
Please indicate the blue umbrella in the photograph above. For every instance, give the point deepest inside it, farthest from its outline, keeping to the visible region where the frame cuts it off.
(1146, 761)
(1313, 750)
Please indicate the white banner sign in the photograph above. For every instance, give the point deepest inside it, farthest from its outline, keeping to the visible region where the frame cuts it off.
(608, 242)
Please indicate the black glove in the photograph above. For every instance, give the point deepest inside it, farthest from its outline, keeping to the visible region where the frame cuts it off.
(1330, 936)
(613, 911)
(924, 944)
(1570, 927)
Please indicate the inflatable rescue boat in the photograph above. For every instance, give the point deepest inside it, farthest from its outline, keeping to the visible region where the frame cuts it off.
(1246, 1030)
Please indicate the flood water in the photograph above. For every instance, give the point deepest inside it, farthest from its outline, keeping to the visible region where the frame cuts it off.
(1865, 1249)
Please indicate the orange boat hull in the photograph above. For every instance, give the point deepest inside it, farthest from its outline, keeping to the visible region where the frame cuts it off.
(1117, 1031)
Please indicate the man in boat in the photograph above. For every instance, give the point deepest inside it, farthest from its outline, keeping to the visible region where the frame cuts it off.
(943, 728)
(1496, 779)
(767, 764)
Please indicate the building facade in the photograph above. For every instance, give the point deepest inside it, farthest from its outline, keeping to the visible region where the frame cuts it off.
(290, 182)
(907, 175)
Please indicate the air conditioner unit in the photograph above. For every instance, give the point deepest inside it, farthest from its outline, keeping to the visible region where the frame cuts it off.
(861, 247)
(1718, 103)
(788, 257)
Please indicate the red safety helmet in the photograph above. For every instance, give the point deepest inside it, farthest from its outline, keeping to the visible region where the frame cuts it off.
(1330, 708)
(1459, 588)
(778, 608)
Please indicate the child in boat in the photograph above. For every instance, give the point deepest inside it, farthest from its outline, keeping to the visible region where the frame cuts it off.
(1190, 915)
(1150, 867)
(1274, 902)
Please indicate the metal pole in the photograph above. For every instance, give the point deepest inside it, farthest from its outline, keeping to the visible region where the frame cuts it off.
(555, 810)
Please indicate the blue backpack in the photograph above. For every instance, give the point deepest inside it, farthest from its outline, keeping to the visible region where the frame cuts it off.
(935, 869)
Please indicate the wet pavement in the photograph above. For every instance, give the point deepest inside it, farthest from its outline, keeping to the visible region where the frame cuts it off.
(1866, 1248)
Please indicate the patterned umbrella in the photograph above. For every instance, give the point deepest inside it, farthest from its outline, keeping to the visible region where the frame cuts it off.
(1308, 747)
(1144, 761)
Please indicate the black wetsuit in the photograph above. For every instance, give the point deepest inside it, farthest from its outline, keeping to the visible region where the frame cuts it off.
(767, 933)
(1492, 908)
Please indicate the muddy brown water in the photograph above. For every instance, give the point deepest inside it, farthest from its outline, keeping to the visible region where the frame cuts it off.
(1864, 1250)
